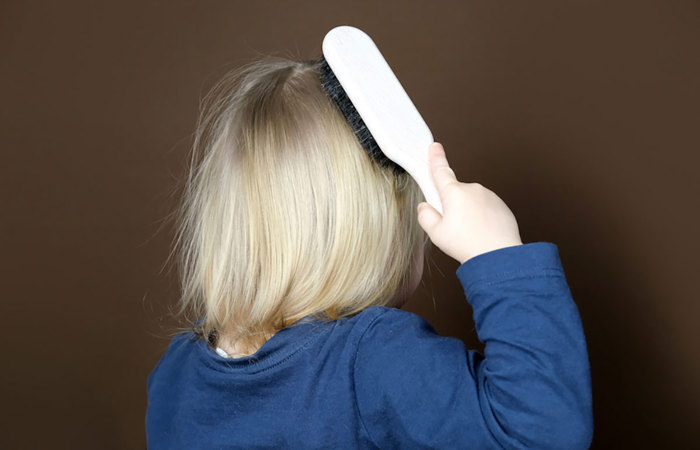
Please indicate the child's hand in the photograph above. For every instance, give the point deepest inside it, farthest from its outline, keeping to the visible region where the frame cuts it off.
(474, 221)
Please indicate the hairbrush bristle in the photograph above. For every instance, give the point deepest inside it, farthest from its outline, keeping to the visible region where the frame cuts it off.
(333, 88)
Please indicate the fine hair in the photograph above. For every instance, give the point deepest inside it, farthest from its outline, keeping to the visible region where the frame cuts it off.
(283, 213)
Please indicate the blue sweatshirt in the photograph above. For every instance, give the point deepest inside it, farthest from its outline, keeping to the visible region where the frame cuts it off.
(384, 378)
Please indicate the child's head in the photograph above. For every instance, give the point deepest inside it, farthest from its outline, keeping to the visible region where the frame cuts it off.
(285, 214)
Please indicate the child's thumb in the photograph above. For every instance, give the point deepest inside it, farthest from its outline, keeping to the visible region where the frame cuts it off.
(428, 217)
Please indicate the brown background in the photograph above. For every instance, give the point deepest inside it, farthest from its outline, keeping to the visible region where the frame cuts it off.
(582, 116)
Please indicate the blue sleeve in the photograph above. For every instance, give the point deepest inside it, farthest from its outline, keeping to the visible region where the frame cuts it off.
(530, 389)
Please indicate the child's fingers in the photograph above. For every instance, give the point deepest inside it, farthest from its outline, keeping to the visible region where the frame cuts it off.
(440, 168)
(428, 218)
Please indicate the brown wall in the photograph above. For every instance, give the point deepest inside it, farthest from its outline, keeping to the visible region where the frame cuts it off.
(583, 116)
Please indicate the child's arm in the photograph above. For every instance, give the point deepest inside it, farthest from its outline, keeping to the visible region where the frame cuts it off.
(532, 388)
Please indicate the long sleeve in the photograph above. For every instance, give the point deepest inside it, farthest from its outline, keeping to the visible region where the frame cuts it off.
(530, 388)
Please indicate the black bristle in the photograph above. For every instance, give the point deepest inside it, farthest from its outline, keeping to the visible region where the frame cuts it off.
(332, 86)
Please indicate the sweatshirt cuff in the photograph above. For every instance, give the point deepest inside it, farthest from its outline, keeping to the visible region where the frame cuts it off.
(526, 260)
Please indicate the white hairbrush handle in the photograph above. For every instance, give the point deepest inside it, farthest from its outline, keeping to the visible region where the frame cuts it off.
(381, 101)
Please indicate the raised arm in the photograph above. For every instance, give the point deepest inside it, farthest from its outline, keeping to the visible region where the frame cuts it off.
(530, 389)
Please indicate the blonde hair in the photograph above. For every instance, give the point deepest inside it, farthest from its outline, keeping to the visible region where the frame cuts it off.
(284, 214)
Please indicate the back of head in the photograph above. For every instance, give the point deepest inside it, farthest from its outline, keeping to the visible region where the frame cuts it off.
(284, 213)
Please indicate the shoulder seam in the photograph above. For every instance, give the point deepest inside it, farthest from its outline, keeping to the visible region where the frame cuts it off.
(354, 372)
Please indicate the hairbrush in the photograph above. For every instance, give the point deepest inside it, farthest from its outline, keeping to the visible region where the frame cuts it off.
(384, 119)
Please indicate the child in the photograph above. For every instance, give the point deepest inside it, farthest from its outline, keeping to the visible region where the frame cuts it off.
(297, 253)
